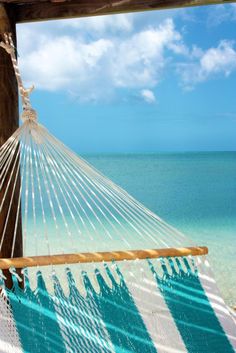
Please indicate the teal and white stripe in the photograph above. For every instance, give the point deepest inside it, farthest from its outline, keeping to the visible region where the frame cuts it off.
(210, 287)
(190, 307)
(163, 306)
(152, 306)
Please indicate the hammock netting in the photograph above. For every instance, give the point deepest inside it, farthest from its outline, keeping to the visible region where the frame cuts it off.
(60, 204)
(64, 205)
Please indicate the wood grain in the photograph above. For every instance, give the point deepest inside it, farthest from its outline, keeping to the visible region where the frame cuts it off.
(27, 11)
(9, 121)
(100, 257)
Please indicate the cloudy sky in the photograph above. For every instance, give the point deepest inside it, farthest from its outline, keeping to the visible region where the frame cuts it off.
(144, 82)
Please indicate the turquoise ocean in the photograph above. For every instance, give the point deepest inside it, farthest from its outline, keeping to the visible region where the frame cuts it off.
(194, 192)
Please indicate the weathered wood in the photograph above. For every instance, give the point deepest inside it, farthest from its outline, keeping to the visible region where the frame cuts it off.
(9, 121)
(100, 257)
(27, 11)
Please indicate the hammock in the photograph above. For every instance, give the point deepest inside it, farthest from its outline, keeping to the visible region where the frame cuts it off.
(100, 272)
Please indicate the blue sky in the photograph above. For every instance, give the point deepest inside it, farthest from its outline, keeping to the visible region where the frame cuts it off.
(143, 82)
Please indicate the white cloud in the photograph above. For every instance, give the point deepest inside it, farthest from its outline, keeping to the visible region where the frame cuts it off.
(221, 13)
(140, 59)
(220, 60)
(94, 58)
(63, 62)
(148, 96)
(102, 24)
(94, 68)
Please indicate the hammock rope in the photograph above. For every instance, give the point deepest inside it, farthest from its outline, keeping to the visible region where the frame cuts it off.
(65, 193)
(66, 200)
(8, 45)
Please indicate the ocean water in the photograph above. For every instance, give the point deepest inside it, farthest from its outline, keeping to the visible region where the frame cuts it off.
(195, 192)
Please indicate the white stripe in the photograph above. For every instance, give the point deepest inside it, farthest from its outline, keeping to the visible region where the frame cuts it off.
(9, 338)
(152, 307)
(85, 321)
(217, 302)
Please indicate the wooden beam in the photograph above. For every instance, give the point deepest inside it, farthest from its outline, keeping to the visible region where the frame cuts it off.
(100, 257)
(41, 11)
(9, 122)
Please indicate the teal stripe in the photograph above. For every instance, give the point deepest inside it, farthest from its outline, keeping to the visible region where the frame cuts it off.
(35, 318)
(82, 323)
(192, 312)
(121, 316)
(87, 324)
(111, 308)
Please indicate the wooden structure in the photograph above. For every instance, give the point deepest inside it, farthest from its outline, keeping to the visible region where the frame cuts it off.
(34, 261)
(8, 124)
(38, 10)
(19, 11)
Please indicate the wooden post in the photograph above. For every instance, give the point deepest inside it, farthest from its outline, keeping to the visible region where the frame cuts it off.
(9, 121)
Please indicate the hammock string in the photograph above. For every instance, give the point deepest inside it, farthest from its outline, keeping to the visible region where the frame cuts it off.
(64, 200)
(8, 45)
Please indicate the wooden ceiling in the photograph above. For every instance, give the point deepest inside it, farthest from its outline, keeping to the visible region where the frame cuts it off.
(40, 10)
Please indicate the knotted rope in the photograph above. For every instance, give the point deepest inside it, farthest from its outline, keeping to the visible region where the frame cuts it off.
(28, 112)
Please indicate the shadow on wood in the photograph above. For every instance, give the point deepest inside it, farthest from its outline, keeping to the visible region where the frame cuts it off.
(9, 122)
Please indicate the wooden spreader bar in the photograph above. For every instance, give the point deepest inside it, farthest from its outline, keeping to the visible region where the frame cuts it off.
(21, 262)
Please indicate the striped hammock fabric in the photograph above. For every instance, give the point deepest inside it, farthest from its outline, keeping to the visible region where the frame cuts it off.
(153, 306)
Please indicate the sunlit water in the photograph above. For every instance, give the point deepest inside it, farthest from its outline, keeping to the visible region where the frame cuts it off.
(195, 192)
